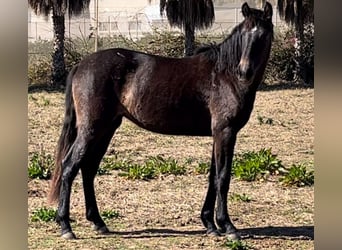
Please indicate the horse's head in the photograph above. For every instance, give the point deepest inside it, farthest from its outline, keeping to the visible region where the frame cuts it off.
(256, 38)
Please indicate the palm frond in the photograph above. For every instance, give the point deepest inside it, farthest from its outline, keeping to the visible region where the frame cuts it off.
(59, 7)
(194, 13)
(296, 11)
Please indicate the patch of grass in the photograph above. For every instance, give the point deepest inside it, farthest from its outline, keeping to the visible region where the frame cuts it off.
(236, 245)
(44, 214)
(240, 197)
(165, 166)
(103, 171)
(202, 168)
(251, 166)
(297, 175)
(110, 214)
(153, 167)
(112, 163)
(40, 165)
(139, 172)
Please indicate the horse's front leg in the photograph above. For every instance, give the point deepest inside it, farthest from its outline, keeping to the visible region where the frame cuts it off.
(207, 214)
(224, 142)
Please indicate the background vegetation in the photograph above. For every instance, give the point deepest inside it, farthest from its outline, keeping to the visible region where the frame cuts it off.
(281, 66)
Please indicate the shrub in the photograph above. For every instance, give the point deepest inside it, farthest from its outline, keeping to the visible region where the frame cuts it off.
(39, 71)
(251, 166)
(308, 53)
(163, 43)
(281, 65)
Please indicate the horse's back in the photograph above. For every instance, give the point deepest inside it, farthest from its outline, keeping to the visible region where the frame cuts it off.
(161, 94)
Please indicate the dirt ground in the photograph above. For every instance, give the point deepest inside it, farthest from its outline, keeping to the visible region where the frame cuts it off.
(164, 213)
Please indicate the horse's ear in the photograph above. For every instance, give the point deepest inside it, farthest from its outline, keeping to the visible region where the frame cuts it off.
(246, 11)
(268, 11)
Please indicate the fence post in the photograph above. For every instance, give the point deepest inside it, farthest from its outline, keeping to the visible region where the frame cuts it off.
(96, 9)
(236, 16)
(36, 30)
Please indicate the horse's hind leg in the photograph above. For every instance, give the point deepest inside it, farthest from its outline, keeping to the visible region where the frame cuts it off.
(70, 167)
(89, 171)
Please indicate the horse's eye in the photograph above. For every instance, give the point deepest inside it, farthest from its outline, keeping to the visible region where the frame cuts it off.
(254, 29)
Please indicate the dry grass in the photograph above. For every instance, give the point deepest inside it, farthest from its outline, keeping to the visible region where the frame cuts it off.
(164, 213)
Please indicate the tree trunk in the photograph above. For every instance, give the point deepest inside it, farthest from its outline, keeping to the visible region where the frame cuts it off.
(301, 73)
(189, 40)
(58, 64)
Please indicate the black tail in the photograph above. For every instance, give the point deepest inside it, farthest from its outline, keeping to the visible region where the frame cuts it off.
(67, 138)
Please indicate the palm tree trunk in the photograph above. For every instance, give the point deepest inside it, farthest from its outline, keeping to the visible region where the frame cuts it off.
(189, 40)
(58, 64)
(301, 73)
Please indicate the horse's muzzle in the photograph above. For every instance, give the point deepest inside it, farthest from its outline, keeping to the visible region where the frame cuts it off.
(245, 74)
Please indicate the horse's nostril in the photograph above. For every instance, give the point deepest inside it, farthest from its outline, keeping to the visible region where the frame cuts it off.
(245, 74)
(249, 73)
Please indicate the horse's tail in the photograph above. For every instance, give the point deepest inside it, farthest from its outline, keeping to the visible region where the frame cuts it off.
(66, 139)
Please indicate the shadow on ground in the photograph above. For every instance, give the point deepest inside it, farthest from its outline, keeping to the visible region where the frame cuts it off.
(38, 88)
(295, 233)
(283, 86)
(302, 232)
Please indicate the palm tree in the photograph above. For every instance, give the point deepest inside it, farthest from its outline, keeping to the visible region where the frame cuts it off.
(298, 13)
(189, 15)
(58, 9)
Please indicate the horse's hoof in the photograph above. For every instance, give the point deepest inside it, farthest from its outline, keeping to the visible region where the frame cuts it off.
(101, 230)
(213, 233)
(231, 234)
(69, 236)
(235, 236)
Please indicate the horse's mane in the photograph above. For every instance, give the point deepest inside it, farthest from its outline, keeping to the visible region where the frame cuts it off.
(225, 54)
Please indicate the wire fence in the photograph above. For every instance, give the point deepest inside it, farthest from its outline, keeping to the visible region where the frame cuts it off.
(132, 25)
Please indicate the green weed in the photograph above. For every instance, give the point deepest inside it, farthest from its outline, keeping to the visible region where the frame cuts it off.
(40, 165)
(139, 172)
(110, 214)
(153, 167)
(44, 214)
(240, 197)
(202, 168)
(111, 163)
(165, 166)
(297, 175)
(251, 166)
(236, 245)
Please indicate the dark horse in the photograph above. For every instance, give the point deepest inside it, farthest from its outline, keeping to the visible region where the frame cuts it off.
(208, 94)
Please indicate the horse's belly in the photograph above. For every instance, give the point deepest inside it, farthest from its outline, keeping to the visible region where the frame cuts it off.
(173, 122)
